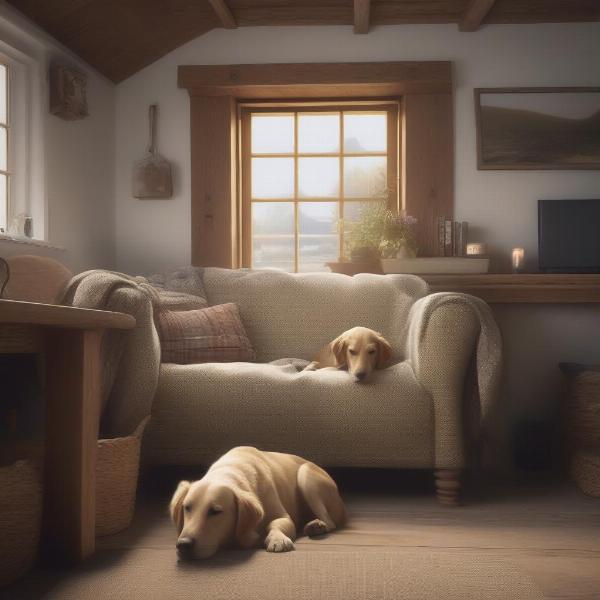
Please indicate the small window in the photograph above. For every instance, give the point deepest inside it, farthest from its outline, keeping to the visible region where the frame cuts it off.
(306, 171)
(4, 154)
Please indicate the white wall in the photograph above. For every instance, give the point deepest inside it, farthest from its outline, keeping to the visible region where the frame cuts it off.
(501, 206)
(74, 179)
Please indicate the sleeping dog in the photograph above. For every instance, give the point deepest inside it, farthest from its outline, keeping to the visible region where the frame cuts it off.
(249, 497)
(362, 350)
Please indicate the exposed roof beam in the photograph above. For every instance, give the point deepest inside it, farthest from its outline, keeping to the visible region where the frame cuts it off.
(474, 14)
(224, 14)
(362, 8)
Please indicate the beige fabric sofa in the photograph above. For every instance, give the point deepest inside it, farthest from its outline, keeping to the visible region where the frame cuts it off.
(409, 415)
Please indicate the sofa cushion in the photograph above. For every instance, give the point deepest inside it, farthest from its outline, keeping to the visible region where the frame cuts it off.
(201, 411)
(295, 315)
(213, 334)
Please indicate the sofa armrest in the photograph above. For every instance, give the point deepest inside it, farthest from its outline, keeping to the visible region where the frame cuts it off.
(136, 377)
(442, 338)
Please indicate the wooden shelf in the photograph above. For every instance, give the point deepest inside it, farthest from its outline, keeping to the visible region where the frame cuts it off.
(534, 288)
(506, 288)
(33, 313)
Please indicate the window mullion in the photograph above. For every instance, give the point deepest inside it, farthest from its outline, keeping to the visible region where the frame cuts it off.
(341, 201)
(296, 223)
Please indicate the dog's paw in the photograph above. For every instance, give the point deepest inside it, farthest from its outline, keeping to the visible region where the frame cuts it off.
(279, 543)
(315, 527)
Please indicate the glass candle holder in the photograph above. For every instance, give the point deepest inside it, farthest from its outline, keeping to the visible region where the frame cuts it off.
(518, 260)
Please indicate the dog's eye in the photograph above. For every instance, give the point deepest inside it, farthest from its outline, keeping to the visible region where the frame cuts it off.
(187, 508)
(353, 352)
(372, 351)
(214, 510)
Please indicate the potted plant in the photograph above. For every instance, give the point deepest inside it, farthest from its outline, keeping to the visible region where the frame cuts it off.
(380, 233)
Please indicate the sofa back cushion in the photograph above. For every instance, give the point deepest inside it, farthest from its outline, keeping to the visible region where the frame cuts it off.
(294, 315)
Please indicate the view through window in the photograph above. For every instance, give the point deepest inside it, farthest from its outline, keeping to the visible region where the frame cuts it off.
(307, 172)
(4, 175)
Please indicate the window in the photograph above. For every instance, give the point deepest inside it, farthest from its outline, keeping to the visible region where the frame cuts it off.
(4, 137)
(307, 170)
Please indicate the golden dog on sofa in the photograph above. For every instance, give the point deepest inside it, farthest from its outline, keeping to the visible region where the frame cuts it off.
(249, 497)
(361, 349)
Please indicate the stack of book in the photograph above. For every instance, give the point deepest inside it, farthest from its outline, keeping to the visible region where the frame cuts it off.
(452, 237)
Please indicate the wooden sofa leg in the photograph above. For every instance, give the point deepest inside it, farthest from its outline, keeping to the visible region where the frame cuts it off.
(447, 486)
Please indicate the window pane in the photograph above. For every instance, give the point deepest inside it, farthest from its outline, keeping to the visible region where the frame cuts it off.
(318, 177)
(3, 202)
(3, 92)
(272, 177)
(352, 210)
(272, 134)
(365, 132)
(319, 133)
(365, 176)
(273, 235)
(3, 149)
(319, 239)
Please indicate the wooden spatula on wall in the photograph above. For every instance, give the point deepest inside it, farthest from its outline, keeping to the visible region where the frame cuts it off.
(152, 174)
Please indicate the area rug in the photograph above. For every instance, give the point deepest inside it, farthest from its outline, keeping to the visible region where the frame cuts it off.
(307, 573)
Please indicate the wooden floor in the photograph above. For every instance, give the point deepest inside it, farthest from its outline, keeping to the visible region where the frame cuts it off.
(546, 527)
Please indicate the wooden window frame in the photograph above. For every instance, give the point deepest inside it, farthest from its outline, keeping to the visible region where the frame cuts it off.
(245, 111)
(426, 145)
(7, 127)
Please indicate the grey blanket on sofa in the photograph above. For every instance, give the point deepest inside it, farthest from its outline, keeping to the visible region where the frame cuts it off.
(108, 290)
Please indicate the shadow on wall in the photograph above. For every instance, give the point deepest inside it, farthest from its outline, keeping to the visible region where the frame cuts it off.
(536, 338)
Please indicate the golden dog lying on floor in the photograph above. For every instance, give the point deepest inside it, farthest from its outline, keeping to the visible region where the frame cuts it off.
(249, 496)
(362, 350)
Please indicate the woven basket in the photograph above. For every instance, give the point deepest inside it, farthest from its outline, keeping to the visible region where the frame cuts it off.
(117, 469)
(583, 427)
(584, 410)
(20, 518)
(585, 470)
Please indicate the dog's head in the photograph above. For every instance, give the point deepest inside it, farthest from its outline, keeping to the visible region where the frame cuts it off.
(210, 515)
(362, 350)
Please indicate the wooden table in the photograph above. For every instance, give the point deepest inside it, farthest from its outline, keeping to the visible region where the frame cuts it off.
(69, 339)
(504, 288)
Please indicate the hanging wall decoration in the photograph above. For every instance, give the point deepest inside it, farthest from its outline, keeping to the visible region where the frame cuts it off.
(68, 93)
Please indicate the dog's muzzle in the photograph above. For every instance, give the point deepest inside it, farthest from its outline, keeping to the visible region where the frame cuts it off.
(185, 547)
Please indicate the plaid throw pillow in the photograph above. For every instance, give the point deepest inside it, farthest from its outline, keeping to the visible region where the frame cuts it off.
(213, 334)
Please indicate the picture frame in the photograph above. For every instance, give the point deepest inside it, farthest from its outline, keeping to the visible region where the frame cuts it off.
(68, 93)
(538, 128)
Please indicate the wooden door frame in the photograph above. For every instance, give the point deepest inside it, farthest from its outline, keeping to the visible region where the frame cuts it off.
(216, 90)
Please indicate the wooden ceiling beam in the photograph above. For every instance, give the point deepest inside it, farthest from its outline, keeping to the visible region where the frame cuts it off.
(225, 15)
(362, 10)
(474, 14)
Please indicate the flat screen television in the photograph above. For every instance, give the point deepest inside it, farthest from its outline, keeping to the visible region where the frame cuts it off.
(569, 236)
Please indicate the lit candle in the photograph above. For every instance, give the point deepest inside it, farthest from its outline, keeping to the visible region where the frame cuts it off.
(518, 260)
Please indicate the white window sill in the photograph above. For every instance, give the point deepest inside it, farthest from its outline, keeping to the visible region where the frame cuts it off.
(13, 239)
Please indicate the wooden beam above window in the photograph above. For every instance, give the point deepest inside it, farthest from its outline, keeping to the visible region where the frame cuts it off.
(474, 14)
(317, 80)
(362, 10)
(225, 16)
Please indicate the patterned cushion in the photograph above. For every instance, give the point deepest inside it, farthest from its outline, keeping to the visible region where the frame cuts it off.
(213, 334)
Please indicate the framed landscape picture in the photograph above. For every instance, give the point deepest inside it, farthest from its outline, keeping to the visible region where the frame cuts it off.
(538, 128)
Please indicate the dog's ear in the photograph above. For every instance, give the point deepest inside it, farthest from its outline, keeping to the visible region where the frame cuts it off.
(384, 352)
(338, 347)
(176, 506)
(249, 514)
